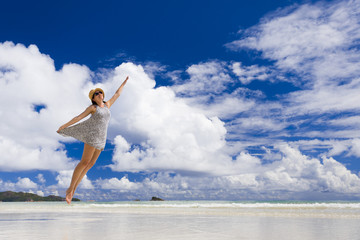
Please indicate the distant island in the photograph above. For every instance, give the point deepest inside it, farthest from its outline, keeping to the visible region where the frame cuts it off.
(156, 199)
(9, 196)
(152, 199)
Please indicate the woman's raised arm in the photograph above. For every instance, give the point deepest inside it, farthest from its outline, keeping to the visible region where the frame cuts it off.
(117, 94)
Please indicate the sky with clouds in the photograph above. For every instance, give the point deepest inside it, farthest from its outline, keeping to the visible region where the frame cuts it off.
(227, 100)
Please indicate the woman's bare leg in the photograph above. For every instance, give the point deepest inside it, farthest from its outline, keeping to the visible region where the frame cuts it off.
(85, 160)
(88, 167)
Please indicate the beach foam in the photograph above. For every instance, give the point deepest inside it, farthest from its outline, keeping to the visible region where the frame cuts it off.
(320, 209)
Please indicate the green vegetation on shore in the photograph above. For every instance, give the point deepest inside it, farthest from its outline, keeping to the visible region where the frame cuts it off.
(9, 196)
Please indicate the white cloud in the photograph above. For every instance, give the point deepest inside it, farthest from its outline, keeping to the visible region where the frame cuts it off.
(176, 149)
(330, 99)
(166, 127)
(40, 178)
(331, 147)
(338, 147)
(288, 171)
(40, 193)
(355, 147)
(256, 124)
(301, 172)
(114, 183)
(16, 156)
(170, 134)
(64, 178)
(317, 42)
(55, 193)
(7, 186)
(25, 183)
(205, 89)
(22, 184)
(154, 68)
(224, 106)
(293, 174)
(28, 78)
(205, 78)
(311, 38)
(248, 74)
(352, 121)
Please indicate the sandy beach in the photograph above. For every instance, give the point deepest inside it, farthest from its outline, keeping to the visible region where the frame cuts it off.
(179, 220)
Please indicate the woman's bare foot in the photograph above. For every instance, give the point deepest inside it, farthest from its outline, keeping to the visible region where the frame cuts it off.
(69, 196)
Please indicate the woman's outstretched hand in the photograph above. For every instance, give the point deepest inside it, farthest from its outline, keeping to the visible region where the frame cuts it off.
(125, 81)
(60, 128)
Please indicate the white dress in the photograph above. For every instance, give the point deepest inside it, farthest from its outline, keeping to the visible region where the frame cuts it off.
(92, 131)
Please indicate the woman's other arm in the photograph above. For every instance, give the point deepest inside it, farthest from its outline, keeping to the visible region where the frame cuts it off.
(90, 109)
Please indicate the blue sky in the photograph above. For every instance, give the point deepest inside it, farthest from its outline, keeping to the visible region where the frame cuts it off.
(175, 33)
(227, 100)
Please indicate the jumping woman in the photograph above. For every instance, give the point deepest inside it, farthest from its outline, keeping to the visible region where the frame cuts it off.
(92, 132)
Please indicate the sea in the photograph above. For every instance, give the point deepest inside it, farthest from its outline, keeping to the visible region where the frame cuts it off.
(180, 220)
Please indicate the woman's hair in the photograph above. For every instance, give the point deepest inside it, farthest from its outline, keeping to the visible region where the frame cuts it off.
(94, 103)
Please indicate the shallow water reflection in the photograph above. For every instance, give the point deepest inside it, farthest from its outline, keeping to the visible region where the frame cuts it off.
(78, 222)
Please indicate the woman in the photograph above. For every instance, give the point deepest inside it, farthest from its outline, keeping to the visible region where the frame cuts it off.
(92, 132)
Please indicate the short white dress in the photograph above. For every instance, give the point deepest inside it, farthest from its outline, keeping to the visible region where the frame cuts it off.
(92, 131)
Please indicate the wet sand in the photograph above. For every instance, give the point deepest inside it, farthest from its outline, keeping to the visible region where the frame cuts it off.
(106, 221)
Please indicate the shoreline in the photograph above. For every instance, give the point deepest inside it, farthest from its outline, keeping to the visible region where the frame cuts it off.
(175, 220)
(349, 210)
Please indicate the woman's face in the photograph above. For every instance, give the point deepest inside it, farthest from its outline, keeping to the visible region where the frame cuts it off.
(98, 95)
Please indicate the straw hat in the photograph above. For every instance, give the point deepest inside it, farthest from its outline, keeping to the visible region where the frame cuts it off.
(91, 93)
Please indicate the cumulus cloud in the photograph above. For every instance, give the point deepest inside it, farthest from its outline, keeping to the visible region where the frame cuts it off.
(292, 174)
(28, 135)
(21, 184)
(122, 184)
(287, 171)
(160, 131)
(24, 183)
(166, 129)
